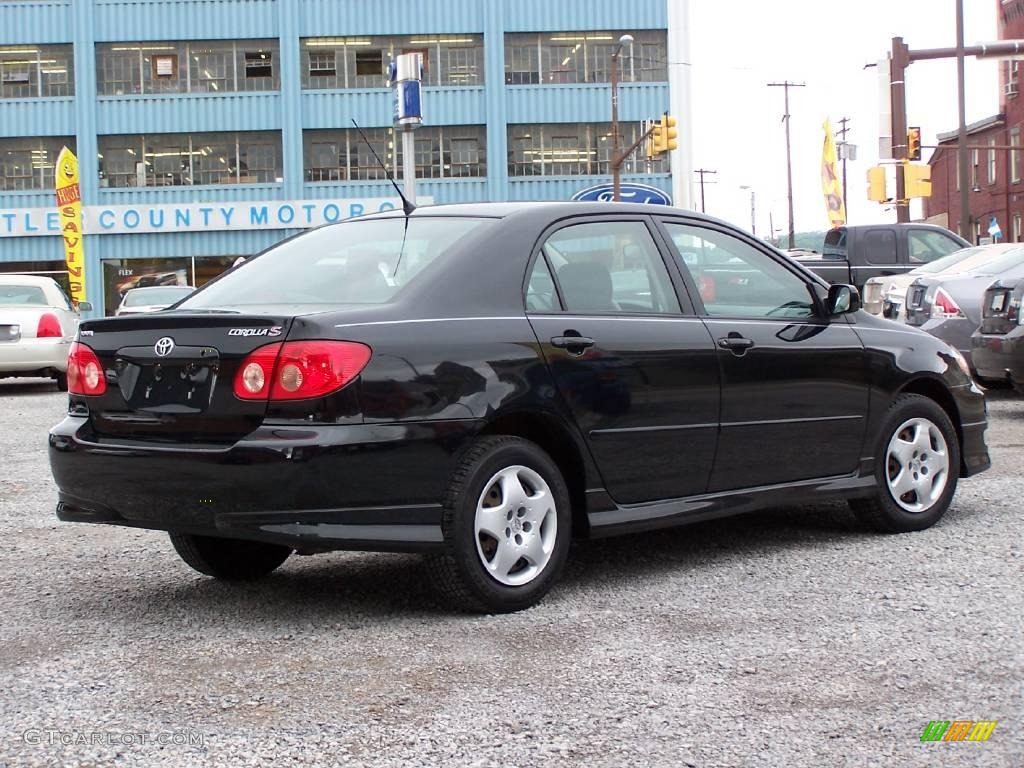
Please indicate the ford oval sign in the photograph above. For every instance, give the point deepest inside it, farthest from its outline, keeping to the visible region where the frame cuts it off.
(628, 192)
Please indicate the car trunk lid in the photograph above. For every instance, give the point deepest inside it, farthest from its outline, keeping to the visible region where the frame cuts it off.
(169, 377)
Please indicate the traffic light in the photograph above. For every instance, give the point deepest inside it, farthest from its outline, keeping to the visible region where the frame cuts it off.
(876, 184)
(664, 137)
(913, 143)
(917, 180)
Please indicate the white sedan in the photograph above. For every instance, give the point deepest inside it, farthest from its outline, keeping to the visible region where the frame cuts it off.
(37, 325)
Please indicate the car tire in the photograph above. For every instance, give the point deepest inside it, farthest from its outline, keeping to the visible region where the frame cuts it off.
(62, 382)
(917, 451)
(229, 559)
(505, 498)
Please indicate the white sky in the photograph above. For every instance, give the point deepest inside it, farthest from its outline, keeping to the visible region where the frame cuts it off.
(739, 46)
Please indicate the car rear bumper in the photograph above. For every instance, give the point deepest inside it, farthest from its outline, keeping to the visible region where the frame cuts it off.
(315, 488)
(32, 355)
(999, 356)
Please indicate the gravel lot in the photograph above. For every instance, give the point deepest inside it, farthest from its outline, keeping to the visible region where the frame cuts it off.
(786, 638)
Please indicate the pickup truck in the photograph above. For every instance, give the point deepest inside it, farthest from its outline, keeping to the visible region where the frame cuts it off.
(854, 254)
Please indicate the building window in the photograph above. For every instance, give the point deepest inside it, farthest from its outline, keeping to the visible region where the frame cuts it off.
(975, 161)
(1015, 155)
(584, 57)
(178, 159)
(36, 71)
(27, 163)
(186, 67)
(447, 151)
(573, 149)
(1017, 232)
(362, 62)
(992, 161)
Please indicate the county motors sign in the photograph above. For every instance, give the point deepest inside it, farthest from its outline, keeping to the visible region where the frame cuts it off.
(194, 217)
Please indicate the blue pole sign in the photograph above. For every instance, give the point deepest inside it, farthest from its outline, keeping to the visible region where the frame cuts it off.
(629, 192)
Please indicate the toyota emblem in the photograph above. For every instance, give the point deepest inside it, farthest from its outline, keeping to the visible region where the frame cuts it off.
(164, 346)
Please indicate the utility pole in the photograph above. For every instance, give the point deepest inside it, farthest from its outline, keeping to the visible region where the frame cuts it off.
(898, 96)
(966, 225)
(616, 155)
(703, 172)
(841, 133)
(786, 85)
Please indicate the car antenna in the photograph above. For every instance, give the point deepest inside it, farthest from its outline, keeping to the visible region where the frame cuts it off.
(407, 206)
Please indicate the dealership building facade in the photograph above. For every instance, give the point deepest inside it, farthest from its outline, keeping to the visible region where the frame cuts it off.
(210, 129)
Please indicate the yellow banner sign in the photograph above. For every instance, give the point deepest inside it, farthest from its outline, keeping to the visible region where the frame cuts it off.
(69, 206)
(831, 187)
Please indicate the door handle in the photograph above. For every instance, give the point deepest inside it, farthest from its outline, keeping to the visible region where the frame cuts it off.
(574, 345)
(735, 343)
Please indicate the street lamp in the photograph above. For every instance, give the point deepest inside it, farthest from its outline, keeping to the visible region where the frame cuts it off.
(616, 180)
(753, 210)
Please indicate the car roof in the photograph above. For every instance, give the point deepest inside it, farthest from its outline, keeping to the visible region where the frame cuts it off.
(146, 288)
(13, 278)
(555, 208)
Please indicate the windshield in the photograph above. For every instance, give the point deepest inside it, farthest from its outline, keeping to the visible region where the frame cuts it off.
(155, 296)
(356, 262)
(22, 294)
(946, 262)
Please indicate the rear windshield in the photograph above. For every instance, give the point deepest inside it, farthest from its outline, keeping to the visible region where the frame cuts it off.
(356, 262)
(155, 296)
(835, 244)
(22, 294)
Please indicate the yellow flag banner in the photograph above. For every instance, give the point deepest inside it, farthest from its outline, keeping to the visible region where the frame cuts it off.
(831, 187)
(69, 206)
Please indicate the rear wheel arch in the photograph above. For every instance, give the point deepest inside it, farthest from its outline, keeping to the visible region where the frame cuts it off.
(559, 444)
(935, 390)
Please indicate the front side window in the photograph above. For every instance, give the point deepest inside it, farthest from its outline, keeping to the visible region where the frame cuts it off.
(611, 266)
(355, 262)
(734, 279)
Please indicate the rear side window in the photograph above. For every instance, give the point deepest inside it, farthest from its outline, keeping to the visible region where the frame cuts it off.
(22, 294)
(356, 262)
(541, 295)
(611, 266)
(880, 246)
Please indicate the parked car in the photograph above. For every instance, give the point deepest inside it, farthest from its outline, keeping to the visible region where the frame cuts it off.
(855, 254)
(949, 307)
(997, 347)
(483, 382)
(138, 301)
(37, 326)
(888, 295)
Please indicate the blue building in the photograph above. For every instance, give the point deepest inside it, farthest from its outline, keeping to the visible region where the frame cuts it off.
(210, 129)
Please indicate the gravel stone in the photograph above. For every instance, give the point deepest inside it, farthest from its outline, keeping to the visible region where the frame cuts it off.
(783, 638)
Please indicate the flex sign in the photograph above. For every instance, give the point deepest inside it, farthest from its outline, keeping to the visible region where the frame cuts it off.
(194, 217)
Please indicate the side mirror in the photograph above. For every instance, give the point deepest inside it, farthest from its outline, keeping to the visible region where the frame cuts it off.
(85, 306)
(842, 299)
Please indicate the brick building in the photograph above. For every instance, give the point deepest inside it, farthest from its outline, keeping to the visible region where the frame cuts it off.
(995, 185)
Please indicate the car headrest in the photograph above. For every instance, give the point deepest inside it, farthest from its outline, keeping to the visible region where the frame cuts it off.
(586, 285)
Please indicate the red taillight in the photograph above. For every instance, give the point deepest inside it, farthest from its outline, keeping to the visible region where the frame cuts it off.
(49, 327)
(85, 373)
(299, 370)
(943, 306)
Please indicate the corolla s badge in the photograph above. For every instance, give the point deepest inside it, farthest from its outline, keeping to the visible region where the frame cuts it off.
(274, 330)
(164, 346)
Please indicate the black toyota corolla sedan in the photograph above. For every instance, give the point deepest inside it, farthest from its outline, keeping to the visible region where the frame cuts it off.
(481, 383)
